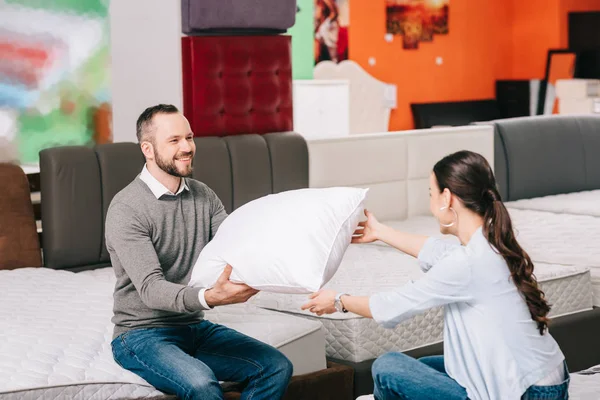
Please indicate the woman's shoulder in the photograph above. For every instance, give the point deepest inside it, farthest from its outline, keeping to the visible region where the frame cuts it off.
(460, 254)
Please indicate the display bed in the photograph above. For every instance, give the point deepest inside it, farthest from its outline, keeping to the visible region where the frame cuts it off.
(55, 334)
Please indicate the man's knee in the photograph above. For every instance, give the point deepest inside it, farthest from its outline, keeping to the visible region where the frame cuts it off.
(285, 367)
(201, 388)
(280, 365)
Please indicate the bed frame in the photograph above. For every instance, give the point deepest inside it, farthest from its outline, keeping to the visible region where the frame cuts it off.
(394, 165)
(371, 100)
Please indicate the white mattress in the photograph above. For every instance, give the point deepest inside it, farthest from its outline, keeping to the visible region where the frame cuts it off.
(565, 239)
(585, 385)
(367, 269)
(579, 203)
(55, 334)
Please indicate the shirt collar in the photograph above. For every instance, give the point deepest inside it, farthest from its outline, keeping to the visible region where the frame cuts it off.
(477, 238)
(157, 188)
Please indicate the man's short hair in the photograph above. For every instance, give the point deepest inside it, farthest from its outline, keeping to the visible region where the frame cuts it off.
(144, 122)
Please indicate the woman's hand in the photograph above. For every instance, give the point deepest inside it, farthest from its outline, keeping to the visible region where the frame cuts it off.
(367, 231)
(322, 302)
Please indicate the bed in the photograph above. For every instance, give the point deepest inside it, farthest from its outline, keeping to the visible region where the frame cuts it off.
(55, 339)
(371, 100)
(566, 239)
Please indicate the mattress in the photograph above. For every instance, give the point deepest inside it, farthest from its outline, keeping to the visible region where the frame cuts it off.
(579, 203)
(55, 334)
(564, 239)
(367, 269)
(585, 385)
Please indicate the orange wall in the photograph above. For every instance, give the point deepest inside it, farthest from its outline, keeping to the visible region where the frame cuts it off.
(475, 53)
(534, 30)
(487, 40)
(537, 26)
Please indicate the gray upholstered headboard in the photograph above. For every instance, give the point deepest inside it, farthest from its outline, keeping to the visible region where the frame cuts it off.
(542, 156)
(78, 183)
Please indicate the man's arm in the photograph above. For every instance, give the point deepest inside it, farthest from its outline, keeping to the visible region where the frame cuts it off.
(128, 239)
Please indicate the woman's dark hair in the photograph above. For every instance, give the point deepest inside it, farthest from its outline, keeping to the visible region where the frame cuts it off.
(469, 176)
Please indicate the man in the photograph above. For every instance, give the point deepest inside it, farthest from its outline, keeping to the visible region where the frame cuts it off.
(155, 230)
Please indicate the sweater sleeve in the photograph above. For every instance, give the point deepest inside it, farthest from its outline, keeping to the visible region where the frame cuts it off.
(130, 246)
(217, 212)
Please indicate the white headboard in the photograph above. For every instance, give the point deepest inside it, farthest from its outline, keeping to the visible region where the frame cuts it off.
(369, 110)
(394, 165)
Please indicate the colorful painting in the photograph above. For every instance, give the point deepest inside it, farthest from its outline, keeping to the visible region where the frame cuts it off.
(417, 20)
(54, 74)
(331, 30)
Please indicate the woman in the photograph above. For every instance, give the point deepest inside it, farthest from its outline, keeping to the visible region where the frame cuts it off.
(326, 30)
(496, 343)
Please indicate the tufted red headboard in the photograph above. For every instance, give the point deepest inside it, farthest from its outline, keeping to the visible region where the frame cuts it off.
(237, 84)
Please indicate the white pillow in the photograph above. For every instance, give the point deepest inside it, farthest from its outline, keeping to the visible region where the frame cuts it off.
(290, 242)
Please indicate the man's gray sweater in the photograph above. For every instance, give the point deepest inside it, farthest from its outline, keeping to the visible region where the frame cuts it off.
(153, 245)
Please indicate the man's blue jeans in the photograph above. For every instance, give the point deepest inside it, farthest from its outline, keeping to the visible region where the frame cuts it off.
(398, 376)
(189, 361)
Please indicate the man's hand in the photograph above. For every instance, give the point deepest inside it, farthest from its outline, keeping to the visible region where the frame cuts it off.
(226, 292)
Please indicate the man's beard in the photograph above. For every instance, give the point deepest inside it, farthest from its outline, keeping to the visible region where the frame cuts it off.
(170, 167)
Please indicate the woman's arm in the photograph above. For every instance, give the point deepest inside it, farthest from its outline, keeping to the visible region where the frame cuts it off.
(372, 230)
(408, 243)
(448, 282)
(357, 305)
(323, 302)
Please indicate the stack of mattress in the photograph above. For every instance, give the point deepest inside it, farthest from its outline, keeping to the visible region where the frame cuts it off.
(237, 68)
(367, 269)
(55, 334)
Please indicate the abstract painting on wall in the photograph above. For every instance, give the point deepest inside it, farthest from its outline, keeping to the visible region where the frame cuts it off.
(54, 74)
(417, 20)
(331, 30)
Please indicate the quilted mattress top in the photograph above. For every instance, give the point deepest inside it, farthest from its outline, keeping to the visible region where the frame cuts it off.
(559, 238)
(579, 203)
(55, 328)
(548, 237)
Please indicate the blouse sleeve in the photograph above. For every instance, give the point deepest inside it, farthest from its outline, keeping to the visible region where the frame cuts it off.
(446, 282)
(433, 251)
